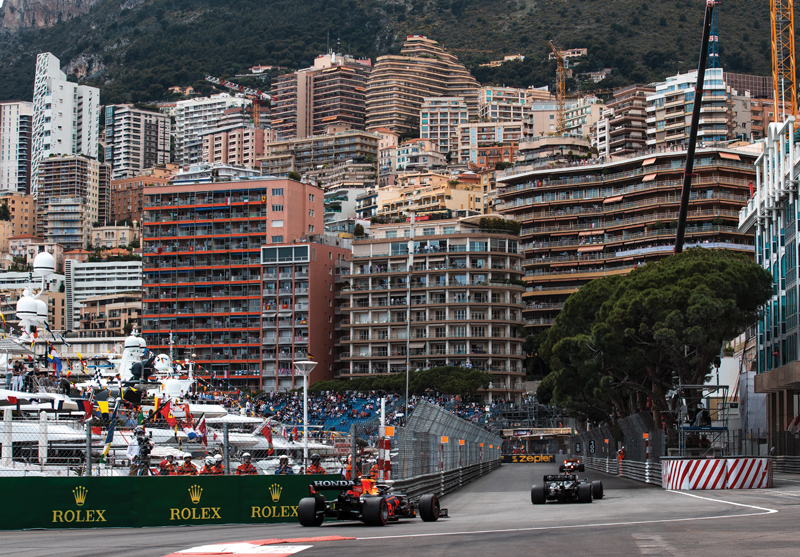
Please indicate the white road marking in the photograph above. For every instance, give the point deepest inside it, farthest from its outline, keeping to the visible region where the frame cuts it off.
(654, 545)
(234, 548)
(762, 511)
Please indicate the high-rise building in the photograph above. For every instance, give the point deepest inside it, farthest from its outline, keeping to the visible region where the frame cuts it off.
(239, 145)
(669, 110)
(439, 121)
(69, 199)
(434, 293)
(22, 210)
(66, 117)
(502, 104)
(622, 128)
(582, 222)
(298, 311)
(195, 117)
(474, 136)
(399, 83)
(135, 139)
(202, 267)
(16, 123)
(331, 92)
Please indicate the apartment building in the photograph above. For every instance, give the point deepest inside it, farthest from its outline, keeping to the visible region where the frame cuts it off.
(99, 278)
(581, 222)
(431, 194)
(22, 208)
(111, 236)
(472, 137)
(26, 247)
(195, 117)
(580, 118)
(298, 311)
(669, 110)
(398, 84)
(434, 293)
(135, 139)
(307, 154)
(440, 118)
(622, 128)
(16, 126)
(125, 195)
(417, 155)
(110, 315)
(331, 92)
(237, 145)
(66, 117)
(70, 189)
(202, 267)
(502, 104)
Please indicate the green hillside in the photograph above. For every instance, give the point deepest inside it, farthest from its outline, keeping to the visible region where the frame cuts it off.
(136, 54)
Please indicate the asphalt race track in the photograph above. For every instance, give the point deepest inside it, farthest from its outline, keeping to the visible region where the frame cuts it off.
(492, 516)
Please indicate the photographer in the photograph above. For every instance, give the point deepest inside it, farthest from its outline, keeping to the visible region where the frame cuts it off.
(139, 453)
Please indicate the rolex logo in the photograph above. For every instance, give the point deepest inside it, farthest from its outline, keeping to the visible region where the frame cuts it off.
(80, 495)
(195, 492)
(275, 492)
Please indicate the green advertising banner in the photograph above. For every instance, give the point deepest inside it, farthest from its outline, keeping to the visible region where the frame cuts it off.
(94, 502)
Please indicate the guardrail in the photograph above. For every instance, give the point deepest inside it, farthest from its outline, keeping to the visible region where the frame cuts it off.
(647, 472)
(786, 464)
(442, 483)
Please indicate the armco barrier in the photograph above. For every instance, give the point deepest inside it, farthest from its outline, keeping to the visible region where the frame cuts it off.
(91, 502)
(442, 483)
(647, 472)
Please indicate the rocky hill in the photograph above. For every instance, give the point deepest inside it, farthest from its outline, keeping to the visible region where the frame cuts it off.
(135, 50)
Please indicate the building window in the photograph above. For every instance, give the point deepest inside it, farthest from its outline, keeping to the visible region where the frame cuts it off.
(277, 239)
(277, 223)
(277, 208)
(277, 191)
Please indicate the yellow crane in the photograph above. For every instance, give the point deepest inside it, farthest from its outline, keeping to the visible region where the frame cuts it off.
(784, 78)
(560, 75)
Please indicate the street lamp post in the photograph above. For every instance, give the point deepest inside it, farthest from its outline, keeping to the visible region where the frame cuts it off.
(305, 368)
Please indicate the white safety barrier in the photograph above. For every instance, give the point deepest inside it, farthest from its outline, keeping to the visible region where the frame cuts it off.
(716, 473)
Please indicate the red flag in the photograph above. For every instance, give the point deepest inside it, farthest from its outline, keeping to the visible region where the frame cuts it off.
(202, 430)
(97, 430)
(86, 406)
(266, 431)
(750, 184)
(189, 419)
(165, 411)
(12, 399)
(294, 433)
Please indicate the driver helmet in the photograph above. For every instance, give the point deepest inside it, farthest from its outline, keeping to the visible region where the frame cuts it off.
(209, 460)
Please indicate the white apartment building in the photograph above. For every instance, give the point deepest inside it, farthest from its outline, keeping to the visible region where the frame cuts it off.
(485, 134)
(440, 118)
(66, 116)
(502, 104)
(196, 117)
(16, 120)
(418, 154)
(135, 140)
(86, 280)
(669, 109)
(579, 119)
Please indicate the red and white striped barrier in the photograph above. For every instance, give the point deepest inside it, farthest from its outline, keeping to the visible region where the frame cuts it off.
(384, 457)
(716, 473)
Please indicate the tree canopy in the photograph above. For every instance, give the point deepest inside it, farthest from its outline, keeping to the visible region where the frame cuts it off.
(621, 343)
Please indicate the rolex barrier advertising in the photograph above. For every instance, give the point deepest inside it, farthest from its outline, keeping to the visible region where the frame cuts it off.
(151, 501)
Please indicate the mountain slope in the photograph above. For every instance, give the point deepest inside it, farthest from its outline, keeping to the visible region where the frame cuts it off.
(135, 53)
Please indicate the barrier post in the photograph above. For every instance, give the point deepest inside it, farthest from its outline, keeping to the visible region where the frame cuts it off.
(88, 448)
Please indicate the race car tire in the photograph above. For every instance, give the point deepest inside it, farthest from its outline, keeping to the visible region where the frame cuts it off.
(538, 495)
(584, 493)
(597, 489)
(375, 511)
(429, 507)
(561, 468)
(581, 468)
(307, 512)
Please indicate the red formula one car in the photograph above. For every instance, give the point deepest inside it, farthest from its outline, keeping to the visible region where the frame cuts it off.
(365, 500)
(571, 465)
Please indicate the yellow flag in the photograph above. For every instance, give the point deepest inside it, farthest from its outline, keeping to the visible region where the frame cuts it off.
(103, 406)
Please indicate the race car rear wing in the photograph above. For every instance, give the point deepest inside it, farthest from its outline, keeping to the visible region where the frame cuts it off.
(325, 485)
(560, 478)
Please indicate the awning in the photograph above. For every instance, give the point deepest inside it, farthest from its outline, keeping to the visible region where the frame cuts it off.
(730, 156)
(612, 199)
(649, 177)
(590, 248)
(591, 232)
(417, 345)
(649, 161)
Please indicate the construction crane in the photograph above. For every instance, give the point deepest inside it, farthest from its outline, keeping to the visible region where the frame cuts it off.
(259, 97)
(784, 79)
(560, 75)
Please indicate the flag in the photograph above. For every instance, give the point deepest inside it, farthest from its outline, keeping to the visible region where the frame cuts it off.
(188, 418)
(11, 399)
(53, 359)
(202, 430)
(140, 417)
(102, 405)
(156, 403)
(97, 430)
(267, 432)
(3, 317)
(110, 434)
(85, 405)
(170, 419)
